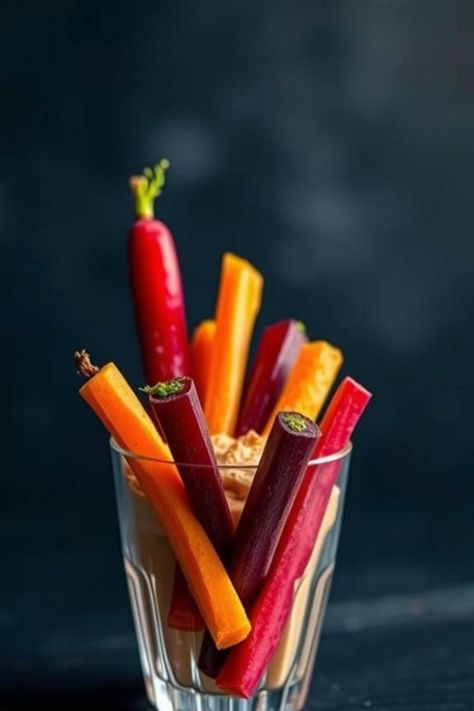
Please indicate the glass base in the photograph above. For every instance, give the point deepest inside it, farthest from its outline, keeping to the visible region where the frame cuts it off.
(164, 696)
(197, 692)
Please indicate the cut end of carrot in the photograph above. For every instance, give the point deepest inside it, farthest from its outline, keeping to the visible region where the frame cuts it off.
(228, 638)
(234, 690)
(353, 384)
(104, 371)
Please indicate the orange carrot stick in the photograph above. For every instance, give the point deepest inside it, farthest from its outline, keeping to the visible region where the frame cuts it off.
(238, 303)
(310, 381)
(201, 349)
(112, 399)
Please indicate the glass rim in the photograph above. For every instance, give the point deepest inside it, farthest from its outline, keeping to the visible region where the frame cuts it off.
(334, 457)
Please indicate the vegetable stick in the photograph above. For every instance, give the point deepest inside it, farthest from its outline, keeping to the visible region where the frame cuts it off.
(278, 349)
(115, 403)
(176, 406)
(201, 349)
(274, 488)
(183, 613)
(237, 307)
(246, 663)
(310, 381)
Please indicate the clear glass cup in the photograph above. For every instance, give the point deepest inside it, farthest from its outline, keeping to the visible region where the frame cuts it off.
(168, 656)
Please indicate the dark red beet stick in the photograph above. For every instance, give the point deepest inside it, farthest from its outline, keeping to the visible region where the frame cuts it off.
(282, 467)
(276, 354)
(275, 485)
(176, 406)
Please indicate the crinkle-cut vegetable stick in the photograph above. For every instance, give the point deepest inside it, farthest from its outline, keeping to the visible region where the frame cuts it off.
(276, 354)
(201, 350)
(310, 381)
(246, 663)
(238, 304)
(282, 467)
(115, 403)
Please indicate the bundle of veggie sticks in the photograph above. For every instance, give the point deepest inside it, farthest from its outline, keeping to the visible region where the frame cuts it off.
(238, 584)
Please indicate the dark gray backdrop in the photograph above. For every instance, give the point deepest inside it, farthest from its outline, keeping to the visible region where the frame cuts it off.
(331, 144)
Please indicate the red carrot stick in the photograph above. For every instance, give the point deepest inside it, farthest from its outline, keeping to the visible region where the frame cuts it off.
(282, 467)
(176, 406)
(274, 488)
(155, 281)
(247, 661)
(276, 354)
(183, 613)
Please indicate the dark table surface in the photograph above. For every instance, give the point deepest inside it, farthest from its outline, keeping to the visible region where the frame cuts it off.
(413, 660)
(384, 646)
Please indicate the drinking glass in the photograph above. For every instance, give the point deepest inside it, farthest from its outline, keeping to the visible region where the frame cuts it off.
(169, 657)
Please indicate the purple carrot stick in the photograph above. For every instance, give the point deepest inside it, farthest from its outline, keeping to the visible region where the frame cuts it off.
(276, 354)
(282, 467)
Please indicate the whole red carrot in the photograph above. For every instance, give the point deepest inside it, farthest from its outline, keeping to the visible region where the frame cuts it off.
(155, 281)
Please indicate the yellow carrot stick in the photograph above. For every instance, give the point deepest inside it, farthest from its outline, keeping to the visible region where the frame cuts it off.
(238, 303)
(115, 403)
(310, 381)
(201, 350)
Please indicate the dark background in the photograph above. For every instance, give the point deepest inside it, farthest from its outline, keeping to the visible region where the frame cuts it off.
(328, 142)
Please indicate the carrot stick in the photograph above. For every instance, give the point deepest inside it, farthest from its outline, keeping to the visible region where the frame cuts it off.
(183, 613)
(115, 403)
(238, 303)
(310, 381)
(201, 348)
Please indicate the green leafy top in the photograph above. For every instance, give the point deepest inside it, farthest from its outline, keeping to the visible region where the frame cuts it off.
(295, 422)
(162, 390)
(146, 187)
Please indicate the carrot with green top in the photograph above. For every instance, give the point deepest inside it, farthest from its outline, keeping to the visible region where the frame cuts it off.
(115, 403)
(238, 304)
(156, 284)
(310, 381)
